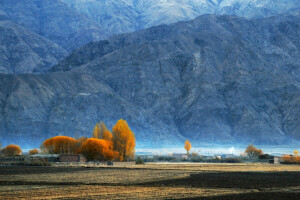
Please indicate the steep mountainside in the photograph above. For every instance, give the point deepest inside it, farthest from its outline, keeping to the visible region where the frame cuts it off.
(74, 23)
(215, 79)
(22, 51)
(121, 16)
(53, 20)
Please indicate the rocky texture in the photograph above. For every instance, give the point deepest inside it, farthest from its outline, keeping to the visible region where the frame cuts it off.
(53, 20)
(22, 51)
(74, 23)
(120, 16)
(215, 79)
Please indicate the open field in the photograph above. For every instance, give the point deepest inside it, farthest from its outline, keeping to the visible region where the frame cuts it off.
(153, 181)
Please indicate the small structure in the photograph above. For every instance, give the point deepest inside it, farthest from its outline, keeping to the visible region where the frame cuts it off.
(276, 160)
(228, 156)
(72, 158)
(179, 156)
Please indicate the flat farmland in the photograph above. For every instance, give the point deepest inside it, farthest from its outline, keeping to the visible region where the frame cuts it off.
(152, 181)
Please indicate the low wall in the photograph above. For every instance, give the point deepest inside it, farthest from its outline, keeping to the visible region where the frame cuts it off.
(131, 163)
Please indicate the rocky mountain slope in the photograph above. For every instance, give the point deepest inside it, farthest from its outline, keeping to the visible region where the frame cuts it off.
(120, 16)
(215, 79)
(53, 20)
(74, 23)
(22, 51)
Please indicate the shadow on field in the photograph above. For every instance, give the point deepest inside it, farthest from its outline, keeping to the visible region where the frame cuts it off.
(242, 180)
(252, 196)
(17, 170)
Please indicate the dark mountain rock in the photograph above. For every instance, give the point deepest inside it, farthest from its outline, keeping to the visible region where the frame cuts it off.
(22, 51)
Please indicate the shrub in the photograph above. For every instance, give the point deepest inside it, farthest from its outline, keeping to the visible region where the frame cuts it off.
(40, 162)
(265, 157)
(139, 161)
(251, 151)
(33, 152)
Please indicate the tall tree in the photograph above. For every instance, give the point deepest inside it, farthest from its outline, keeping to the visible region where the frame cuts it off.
(187, 146)
(96, 131)
(123, 140)
(101, 132)
(104, 132)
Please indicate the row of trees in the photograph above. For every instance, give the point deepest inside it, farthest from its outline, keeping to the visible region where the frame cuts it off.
(104, 144)
(251, 151)
(295, 158)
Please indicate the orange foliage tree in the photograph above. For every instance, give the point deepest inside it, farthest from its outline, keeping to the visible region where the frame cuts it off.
(60, 145)
(96, 131)
(291, 159)
(33, 152)
(187, 146)
(123, 140)
(97, 149)
(251, 151)
(101, 132)
(12, 150)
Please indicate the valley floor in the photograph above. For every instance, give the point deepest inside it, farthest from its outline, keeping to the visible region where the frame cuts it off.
(153, 181)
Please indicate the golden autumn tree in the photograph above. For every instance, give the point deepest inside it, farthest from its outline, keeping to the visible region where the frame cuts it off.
(79, 142)
(251, 151)
(12, 150)
(60, 145)
(96, 131)
(98, 149)
(101, 132)
(187, 146)
(296, 153)
(33, 152)
(123, 140)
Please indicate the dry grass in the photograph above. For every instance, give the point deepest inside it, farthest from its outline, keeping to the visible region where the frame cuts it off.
(152, 181)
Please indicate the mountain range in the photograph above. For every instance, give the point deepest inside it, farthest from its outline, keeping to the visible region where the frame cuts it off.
(217, 79)
(69, 24)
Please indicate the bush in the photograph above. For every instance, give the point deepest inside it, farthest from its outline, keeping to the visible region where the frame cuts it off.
(265, 157)
(197, 159)
(33, 152)
(39, 162)
(139, 161)
(231, 160)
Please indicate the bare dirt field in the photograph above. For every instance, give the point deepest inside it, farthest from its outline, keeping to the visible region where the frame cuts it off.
(152, 181)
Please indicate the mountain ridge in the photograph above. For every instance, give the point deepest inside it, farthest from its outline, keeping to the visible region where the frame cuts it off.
(234, 81)
(74, 23)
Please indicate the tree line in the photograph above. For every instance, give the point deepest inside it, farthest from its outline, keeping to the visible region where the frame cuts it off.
(104, 145)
